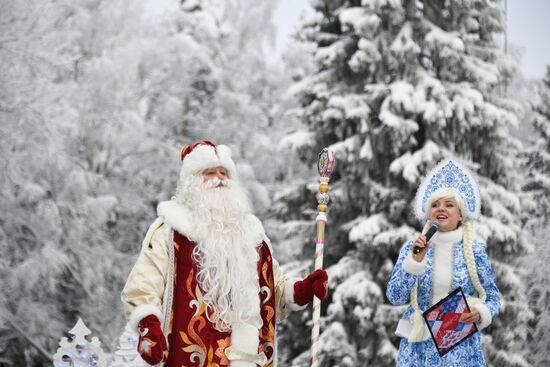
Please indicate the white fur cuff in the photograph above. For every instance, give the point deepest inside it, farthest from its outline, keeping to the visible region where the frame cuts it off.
(289, 295)
(140, 312)
(485, 315)
(412, 266)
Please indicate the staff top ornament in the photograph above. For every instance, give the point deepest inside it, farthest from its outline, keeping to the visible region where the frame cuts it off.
(325, 163)
(449, 174)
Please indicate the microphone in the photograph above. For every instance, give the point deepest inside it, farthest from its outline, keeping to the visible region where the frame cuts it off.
(431, 231)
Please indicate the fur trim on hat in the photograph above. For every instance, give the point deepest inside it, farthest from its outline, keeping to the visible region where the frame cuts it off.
(205, 156)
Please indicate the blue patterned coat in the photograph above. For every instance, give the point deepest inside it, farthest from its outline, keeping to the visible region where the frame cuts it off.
(469, 353)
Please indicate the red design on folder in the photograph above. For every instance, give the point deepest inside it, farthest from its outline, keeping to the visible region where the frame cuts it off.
(443, 321)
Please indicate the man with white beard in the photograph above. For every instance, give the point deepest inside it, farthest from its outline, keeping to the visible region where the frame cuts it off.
(205, 290)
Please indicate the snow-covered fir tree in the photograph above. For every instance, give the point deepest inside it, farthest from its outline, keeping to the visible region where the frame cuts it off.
(242, 111)
(538, 156)
(538, 183)
(56, 209)
(399, 85)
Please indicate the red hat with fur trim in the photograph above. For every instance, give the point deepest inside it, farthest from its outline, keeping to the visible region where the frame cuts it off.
(200, 155)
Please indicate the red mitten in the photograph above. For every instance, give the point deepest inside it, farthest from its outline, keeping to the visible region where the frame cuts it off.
(314, 283)
(152, 344)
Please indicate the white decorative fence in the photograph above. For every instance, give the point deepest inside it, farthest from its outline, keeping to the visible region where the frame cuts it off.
(79, 351)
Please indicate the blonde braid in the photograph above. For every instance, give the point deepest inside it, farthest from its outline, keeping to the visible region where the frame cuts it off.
(468, 236)
(418, 325)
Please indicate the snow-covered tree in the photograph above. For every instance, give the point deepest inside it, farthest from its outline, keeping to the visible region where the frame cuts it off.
(243, 110)
(70, 146)
(399, 85)
(97, 98)
(538, 159)
(226, 91)
(538, 183)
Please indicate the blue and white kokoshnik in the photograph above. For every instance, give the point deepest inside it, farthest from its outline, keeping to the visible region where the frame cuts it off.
(449, 174)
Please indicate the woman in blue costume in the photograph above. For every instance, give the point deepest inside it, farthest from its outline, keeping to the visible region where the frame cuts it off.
(451, 259)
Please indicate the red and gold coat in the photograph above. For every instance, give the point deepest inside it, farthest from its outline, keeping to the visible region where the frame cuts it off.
(163, 282)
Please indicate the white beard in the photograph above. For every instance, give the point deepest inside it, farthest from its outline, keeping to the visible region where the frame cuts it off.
(226, 248)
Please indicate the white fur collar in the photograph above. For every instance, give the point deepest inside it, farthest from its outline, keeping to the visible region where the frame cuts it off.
(178, 216)
(448, 238)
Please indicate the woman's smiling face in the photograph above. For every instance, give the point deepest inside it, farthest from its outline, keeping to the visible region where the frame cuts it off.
(446, 212)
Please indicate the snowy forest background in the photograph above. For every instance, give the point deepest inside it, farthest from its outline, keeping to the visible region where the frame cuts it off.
(97, 98)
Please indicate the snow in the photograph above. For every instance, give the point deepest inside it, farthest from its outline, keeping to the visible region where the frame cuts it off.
(438, 38)
(328, 55)
(432, 100)
(297, 140)
(387, 350)
(506, 274)
(404, 45)
(352, 18)
(288, 239)
(499, 116)
(333, 114)
(99, 101)
(352, 105)
(492, 192)
(346, 267)
(466, 102)
(334, 342)
(359, 62)
(344, 150)
(31, 193)
(390, 237)
(366, 150)
(365, 57)
(377, 5)
(485, 73)
(513, 359)
(408, 165)
(357, 290)
(494, 230)
(431, 93)
(401, 96)
(363, 229)
(397, 122)
(101, 208)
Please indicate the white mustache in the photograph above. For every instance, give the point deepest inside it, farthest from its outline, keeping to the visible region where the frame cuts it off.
(216, 182)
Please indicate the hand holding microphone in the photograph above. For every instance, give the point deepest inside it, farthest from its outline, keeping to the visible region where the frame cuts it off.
(421, 243)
